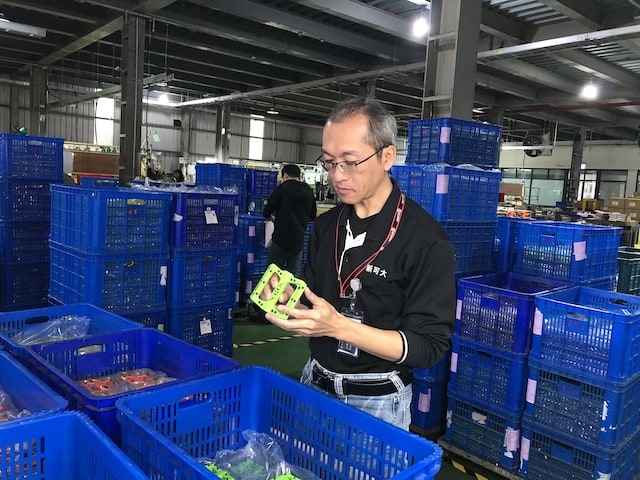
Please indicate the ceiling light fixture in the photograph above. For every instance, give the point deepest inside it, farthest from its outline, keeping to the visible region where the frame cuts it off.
(589, 91)
(21, 28)
(420, 26)
(272, 111)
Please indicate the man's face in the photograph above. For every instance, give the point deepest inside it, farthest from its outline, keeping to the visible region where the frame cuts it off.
(345, 142)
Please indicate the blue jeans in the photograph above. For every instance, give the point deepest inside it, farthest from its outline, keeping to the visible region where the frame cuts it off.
(285, 259)
(394, 408)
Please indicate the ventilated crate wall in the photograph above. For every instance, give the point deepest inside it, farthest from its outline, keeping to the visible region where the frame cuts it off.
(28, 166)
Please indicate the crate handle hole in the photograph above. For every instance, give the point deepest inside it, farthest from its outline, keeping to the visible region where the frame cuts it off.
(35, 320)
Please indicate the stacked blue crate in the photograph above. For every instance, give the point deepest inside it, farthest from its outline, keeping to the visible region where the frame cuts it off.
(582, 413)
(203, 268)
(464, 200)
(260, 184)
(303, 256)
(491, 342)
(224, 175)
(252, 253)
(109, 247)
(28, 165)
(429, 398)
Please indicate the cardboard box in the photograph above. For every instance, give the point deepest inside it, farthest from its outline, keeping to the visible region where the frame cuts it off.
(616, 204)
(632, 204)
(95, 162)
(511, 189)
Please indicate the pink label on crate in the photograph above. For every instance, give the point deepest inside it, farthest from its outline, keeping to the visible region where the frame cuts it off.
(459, 309)
(454, 362)
(424, 402)
(512, 439)
(445, 134)
(252, 230)
(532, 386)
(580, 250)
(442, 184)
(525, 445)
(250, 257)
(537, 322)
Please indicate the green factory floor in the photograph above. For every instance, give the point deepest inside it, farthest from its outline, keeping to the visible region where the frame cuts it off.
(262, 344)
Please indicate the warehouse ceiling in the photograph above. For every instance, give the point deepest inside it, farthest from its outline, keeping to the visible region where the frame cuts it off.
(300, 57)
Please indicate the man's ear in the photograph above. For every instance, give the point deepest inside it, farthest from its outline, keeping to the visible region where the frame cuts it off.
(389, 157)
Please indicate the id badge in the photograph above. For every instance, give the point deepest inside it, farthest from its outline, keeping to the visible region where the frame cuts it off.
(345, 347)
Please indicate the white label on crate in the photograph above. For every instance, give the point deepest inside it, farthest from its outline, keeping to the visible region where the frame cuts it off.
(537, 322)
(163, 275)
(532, 386)
(454, 362)
(445, 134)
(250, 257)
(459, 309)
(525, 445)
(580, 250)
(252, 230)
(205, 326)
(210, 217)
(478, 417)
(603, 476)
(442, 184)
(177, 217)
(511, 439)
(424, 402)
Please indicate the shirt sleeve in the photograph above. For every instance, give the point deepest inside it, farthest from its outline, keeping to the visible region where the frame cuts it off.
(273, 203)
(429, 313)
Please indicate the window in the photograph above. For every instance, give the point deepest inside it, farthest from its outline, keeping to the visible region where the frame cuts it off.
(103, 132)
(256, 135)
(613, 183)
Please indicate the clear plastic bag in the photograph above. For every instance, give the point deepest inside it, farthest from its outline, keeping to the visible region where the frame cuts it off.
(8, 411)
(260, 459)
(63, 328)
(126, 381)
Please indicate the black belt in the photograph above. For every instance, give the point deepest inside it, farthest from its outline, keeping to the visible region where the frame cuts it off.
(358, 387)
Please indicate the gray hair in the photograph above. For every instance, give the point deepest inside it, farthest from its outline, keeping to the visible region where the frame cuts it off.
(382, 123)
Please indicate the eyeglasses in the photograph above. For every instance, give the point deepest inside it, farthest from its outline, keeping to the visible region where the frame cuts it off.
(346, 167)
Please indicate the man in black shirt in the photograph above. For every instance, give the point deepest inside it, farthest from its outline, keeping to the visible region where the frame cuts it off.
(294, 205)
(381, 293)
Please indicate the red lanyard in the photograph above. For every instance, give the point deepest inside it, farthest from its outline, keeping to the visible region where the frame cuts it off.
(393, 228)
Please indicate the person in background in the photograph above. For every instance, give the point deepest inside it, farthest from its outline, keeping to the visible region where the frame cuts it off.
(178, 176)
(381, 290)
(291, 206)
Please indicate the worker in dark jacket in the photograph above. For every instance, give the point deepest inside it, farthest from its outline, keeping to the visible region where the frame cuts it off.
(291, 206)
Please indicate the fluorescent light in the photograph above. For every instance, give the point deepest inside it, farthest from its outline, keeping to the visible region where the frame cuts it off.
(21, 29)
(273, 111)
(420, 2)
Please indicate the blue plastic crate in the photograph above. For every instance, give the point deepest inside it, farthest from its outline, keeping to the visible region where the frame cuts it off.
(472, 245)
(63, 364)
(23, 285)
(598, 413)
(251, 232)
(497, 310)
(462, 193)
(31, 157)
(149, 318)
(506, 243)
(254, 263)
(124, 282)
(453, 141)
(207, 326)
(493, 378)
(548, 456)
(25, 201)
(202, 277)
(437, 372)
(62, 446)
(110, 220)
(203, 220)
(429, 405)
(261, 183)
(491, 435)
(222, 175)
(628, 270)
(604, 283)
(256, 203)
(14, 324)
(166, 430)
(570, 251)
(589, 330)
(26, 391)
(24, 242)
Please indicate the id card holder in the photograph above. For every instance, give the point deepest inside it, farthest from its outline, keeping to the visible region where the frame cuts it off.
(345, 347)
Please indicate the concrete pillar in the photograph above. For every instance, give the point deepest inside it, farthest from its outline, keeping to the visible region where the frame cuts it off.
(223, 119)
(14, 107)
(570, 196)
(132, 72)
(38, 101)
(452, 47)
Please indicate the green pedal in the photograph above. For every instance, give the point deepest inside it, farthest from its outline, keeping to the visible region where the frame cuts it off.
(285, 279)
